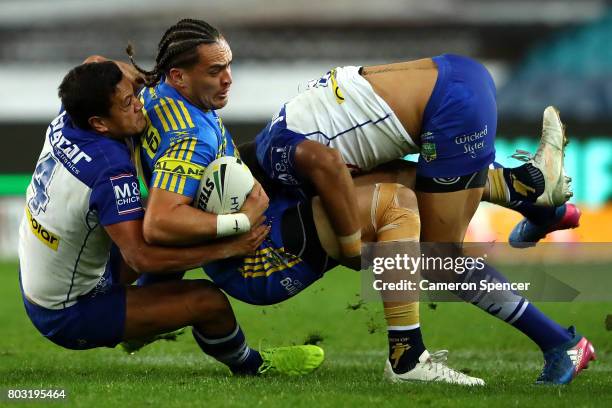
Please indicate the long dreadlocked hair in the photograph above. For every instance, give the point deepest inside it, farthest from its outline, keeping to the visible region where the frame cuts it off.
(177, 48)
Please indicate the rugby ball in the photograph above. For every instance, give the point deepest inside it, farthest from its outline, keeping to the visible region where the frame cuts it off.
(225, 184)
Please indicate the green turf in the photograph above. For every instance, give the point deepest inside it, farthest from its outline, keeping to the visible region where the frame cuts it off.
(177, 374)
(16, 184)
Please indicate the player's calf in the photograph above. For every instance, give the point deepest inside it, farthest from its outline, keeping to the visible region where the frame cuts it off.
(168, 306)
(514, 309)
(395, 218)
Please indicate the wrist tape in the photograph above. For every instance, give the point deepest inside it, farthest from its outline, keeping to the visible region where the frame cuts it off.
(232, 224)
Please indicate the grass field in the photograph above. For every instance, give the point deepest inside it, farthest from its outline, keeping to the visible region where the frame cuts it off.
(177, 374)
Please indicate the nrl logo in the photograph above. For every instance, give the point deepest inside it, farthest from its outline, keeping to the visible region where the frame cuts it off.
(428, 151)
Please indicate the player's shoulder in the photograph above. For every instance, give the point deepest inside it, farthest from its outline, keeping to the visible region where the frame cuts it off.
(174, 117)
(110, 158)
(87, 154)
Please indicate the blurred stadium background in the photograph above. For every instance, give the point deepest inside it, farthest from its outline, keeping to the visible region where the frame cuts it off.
(539, 52)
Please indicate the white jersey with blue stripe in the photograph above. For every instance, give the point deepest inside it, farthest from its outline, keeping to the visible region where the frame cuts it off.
(82, 182)
(342, 111)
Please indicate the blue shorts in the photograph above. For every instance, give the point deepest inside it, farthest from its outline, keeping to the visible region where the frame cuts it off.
(290, 259)
(97, 319)
(460, 120)
(457, 136)
(275, 150)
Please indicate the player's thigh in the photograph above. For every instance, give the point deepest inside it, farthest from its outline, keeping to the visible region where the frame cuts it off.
(398, 171)
(445, 216)
(171, 305)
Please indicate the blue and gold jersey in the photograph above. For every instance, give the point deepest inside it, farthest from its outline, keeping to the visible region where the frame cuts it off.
(289, 260)
(180, 141)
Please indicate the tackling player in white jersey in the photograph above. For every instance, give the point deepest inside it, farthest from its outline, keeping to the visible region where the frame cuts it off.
(84, 214)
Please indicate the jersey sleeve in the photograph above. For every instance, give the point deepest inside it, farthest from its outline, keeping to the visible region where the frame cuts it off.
(180, 167)
(115, 195)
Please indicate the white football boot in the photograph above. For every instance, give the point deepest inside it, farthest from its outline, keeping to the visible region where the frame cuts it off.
(432, 368)
(549, 160)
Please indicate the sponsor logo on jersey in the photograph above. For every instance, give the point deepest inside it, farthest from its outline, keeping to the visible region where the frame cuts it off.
(127, 193)
(179, 167)
(337, 91)
(150, 139)
(43, 234)
(324, 82)
(65, 150)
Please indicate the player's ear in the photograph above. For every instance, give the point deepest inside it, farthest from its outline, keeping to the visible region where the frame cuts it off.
(176, 77)
(98, 124)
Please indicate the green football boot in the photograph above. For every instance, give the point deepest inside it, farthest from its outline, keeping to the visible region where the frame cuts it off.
(293, 360)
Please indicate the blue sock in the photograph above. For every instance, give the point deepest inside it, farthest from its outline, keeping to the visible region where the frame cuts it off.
(514, 309)
(231, 350)
(405, 347)
(525, 183)
(543, 331)
(527, 176)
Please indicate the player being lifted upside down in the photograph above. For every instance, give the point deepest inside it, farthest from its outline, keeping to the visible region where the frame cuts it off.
(444, 108)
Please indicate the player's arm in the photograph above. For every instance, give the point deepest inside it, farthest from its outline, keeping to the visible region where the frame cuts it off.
(325, 169)
(143, 257)
(170, 218)
(115, 198)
